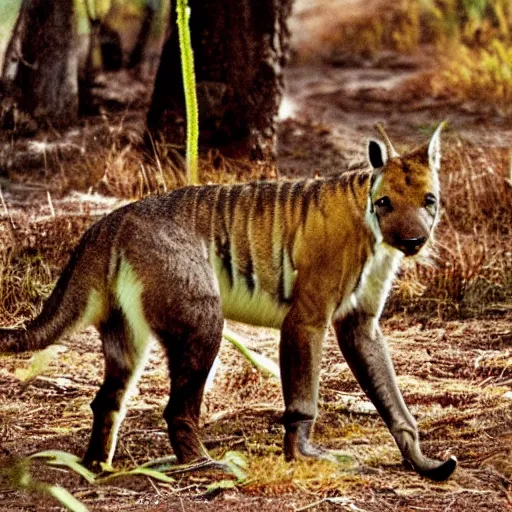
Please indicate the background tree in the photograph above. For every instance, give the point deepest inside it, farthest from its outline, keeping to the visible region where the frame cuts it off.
(239, 51)
(151, 9)
(41, 62)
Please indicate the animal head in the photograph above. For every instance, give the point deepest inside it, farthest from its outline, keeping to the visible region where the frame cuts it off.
(403, 203)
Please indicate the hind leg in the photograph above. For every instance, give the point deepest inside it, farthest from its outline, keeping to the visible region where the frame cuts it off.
(124, 361)
(191, 350)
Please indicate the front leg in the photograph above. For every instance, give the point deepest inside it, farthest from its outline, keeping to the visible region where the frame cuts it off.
(300, 355)
(366, 353)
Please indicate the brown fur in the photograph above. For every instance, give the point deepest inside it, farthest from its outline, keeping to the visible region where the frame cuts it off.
(295, 255)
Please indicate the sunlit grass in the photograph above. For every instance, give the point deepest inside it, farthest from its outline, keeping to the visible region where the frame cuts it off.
(471, 38)
(476, 74)
(276, 476)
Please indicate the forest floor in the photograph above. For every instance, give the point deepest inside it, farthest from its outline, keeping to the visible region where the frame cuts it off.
(455, 371)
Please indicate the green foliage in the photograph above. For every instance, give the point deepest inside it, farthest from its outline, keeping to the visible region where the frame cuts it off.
(140, 470)
(443, 23)
(258, 360)
(484, 73)
(473, 38)
(189, 87)
(60, 458)
(237, 464)
(19, 476)
(222, 485)
(39, 362)
(475, 8)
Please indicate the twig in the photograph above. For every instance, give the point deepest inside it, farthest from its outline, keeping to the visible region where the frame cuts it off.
(50, 204)
(449, 507)
(6, 210)
(310, 505)
(212, 442)
(254, 410)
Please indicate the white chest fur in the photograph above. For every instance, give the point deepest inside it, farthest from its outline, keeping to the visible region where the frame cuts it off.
(374, 284)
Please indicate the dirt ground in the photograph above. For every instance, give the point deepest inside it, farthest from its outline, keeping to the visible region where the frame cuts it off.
(450, 373)
(456, 375)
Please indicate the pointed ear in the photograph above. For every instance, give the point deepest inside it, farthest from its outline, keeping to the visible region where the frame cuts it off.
(434, 149)
(377, 154)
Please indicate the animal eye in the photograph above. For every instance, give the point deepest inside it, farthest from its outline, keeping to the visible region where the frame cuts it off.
(384, 203)
(430, 199)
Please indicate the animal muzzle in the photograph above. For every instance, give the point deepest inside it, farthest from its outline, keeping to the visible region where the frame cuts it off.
(411, 246)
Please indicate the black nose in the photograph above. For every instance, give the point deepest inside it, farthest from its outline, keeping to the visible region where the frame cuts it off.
(410, 246)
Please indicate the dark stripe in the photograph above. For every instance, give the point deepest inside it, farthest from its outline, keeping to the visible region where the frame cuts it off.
(315, 191)
(296, 193)
(284, 194)
(224, 252)
(362, 178)
(222, 238)
(266, 197)
(332, 183)
(240, 229)
(204, 210)
(248, 275)
(351, 180)
(306, 199)
(220, 204)
(311, 198)
(175, 200)
(202, 193)
(234, 194)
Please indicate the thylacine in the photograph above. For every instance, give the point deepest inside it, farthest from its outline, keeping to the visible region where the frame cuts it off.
(294, 255)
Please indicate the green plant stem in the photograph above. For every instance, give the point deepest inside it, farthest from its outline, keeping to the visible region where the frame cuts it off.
(189, 88)
(259, 361)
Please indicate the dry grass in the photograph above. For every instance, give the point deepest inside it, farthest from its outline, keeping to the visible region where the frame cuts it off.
(475, 74)
(406, 25)
(471, 274)
(276, 476)
(129, 172)
(472, 270)
(35, 246)
(471, 39)
(23, 281)
(32, 252)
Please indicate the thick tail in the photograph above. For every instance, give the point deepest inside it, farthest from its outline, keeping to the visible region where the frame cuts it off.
(61, 312)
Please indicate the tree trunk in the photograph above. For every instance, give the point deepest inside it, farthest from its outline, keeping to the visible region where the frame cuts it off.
(47, 68)
(239, 48)
(137, 53)
(13, 50)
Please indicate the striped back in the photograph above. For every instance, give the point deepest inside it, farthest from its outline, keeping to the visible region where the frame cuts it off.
(252, 232)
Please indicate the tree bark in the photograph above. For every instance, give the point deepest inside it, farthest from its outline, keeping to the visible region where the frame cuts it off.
(13, 50)
(47, 65)
(137, 53)
(240, 48)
